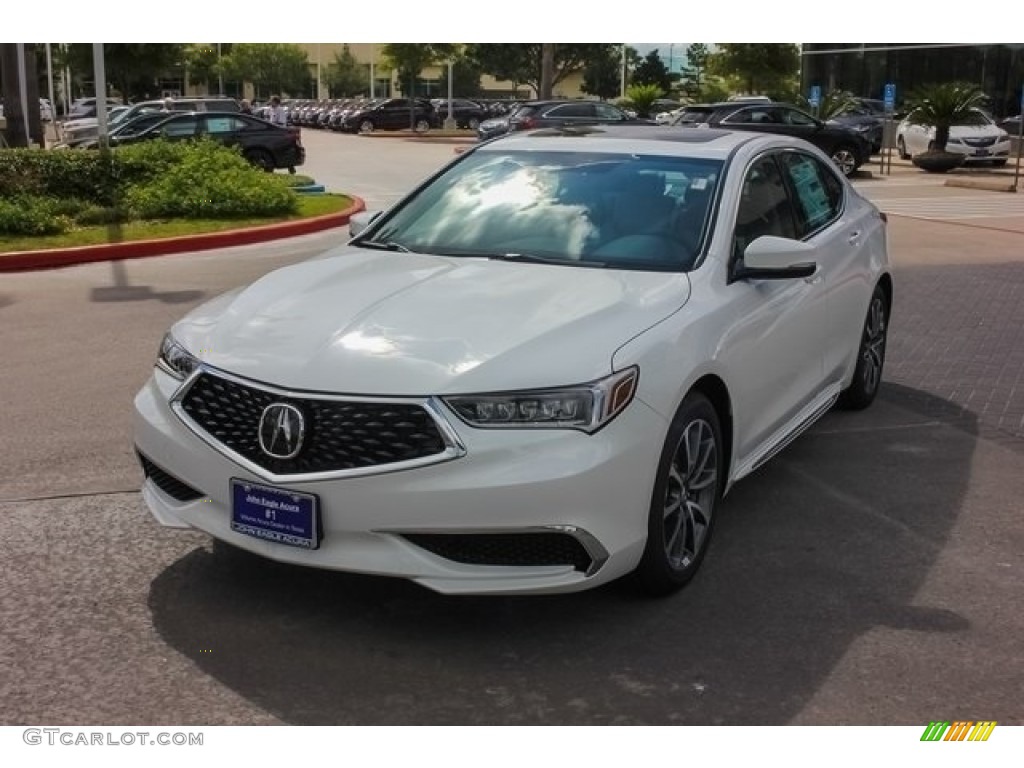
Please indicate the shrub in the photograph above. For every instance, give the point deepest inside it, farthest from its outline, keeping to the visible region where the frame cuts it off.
(28, 215)
(211, 181)
(643, 97)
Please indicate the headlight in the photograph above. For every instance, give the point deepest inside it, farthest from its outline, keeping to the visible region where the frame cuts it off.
(174, 359)
(587, 407)
(1004, 136)
(955, 141)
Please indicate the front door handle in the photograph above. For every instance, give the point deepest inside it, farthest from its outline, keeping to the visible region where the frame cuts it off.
(854, 238)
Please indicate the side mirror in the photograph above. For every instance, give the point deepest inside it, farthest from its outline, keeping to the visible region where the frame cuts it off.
(358, 222)
(776, 258)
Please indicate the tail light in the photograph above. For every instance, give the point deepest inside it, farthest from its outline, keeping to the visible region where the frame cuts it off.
(523, 123)
(296, 134)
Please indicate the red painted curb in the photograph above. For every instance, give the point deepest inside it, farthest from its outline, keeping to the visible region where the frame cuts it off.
(17, 261)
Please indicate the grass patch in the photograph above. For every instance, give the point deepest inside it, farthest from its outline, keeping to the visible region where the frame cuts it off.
(308, 206)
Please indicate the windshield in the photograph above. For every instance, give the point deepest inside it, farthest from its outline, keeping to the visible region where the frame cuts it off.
(575, 208)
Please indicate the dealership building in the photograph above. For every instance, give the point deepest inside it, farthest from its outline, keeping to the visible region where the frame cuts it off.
(865, 68)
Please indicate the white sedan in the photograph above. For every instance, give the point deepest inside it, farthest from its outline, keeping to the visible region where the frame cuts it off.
(539, 372)
(983, 142)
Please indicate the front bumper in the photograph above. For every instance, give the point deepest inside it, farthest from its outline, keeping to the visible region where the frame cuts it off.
(999, 150)
(595, 488)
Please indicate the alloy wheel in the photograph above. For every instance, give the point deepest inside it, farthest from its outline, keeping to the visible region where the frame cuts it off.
(873, 345)
(846, 160)
(690, 494)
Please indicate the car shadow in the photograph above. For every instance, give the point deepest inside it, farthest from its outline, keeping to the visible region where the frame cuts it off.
(829, 540)
(6, 300)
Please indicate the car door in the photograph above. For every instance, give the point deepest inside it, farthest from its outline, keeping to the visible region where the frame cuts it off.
(606, 113)
(773, 352)
(179, 128)
(227, 129)
(841, 230)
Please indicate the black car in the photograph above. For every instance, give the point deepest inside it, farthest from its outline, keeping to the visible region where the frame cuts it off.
(390, 115)
(467, 113)
(867, 117)
(263, 144)
(847, 148)
(556, 114)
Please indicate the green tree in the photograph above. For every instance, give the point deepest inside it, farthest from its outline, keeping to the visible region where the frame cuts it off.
(944, 105)
(272, 68)
(134, 69)
(410, 59)
(757, 67)
(346, 76)
(521, 62)
(602, 77)
(202, 63)
(695, 72)
(466, 75)
(652, 71)
(642, 97)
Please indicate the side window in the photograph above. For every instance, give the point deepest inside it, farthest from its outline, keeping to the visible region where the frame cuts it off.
(796, 117)
(764, 208)
(819, 194)
(221, 124)
(571, 110)
(183, 127)
(607, 112)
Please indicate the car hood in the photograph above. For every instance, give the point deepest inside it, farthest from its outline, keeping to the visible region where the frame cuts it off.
(411, 324)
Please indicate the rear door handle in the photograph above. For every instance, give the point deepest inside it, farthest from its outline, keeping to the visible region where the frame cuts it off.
(854, 238)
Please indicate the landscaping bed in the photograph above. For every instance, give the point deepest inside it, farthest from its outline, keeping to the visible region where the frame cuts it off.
(62, 199)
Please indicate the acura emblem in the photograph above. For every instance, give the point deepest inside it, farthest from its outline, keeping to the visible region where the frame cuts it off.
(282, 429)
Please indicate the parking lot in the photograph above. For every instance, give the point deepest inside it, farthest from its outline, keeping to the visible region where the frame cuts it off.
(870, 574)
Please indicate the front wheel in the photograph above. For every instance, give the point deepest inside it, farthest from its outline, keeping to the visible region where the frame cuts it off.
(687, 490)
(474, 123)
(421, 126)
(846, 158)
(867, 376)
(366, 126)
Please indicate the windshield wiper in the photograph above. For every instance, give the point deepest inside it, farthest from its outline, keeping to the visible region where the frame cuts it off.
(531, 258)
(388, 246)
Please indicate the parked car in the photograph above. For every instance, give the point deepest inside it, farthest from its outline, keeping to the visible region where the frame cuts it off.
(867, 117)
(390, 115)
(1011, 124)
(262, 143)
(537, 373)
(87, 129)
(122, 131)
(982, 142)
(847, 148)
(562, 112)
(86, 107)
(468, 114)
(45, 110)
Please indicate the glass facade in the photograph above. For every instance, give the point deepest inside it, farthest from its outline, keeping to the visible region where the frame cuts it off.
(865, 68)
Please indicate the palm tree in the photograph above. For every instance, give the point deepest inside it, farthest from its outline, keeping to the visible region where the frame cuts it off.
(944, 105)
(833, 104)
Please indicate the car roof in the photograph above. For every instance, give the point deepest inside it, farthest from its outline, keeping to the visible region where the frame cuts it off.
(711, 143)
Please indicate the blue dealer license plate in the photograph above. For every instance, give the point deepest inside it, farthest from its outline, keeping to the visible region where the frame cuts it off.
(275, 514)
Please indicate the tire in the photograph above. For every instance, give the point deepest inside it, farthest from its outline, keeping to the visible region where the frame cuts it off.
(366, 126)
(901, 149)
(999, 163)
(260, 158)
(687, 491)
(867, 376)
(845, 157)
(421, 125)
(474, 123)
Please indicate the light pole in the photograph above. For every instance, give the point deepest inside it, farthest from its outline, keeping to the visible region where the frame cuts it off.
(373, 55)
(449, 123)
(99, 67)
(622, 82)
(220, 74)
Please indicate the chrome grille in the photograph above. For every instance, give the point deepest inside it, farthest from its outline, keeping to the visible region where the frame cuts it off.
(984, 142)
(340, 434)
